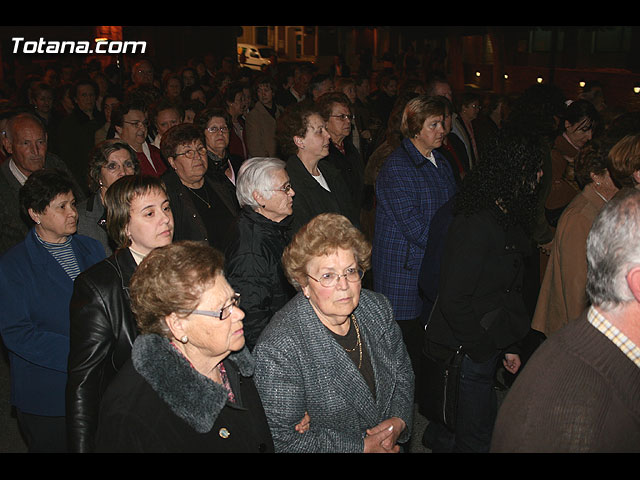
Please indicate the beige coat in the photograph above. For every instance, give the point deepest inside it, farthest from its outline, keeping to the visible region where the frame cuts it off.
(562, 294)
(261, 132)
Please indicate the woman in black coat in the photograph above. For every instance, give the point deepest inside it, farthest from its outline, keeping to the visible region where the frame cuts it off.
(202, 209)
(480, 305)
(102, 327)
(253, 259)
(189, 385)
(320, 188)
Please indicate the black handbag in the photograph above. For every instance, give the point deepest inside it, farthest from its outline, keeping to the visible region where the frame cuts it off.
(438, 396)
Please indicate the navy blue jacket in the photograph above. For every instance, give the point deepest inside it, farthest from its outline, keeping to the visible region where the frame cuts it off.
(409, 191)
(34, 299)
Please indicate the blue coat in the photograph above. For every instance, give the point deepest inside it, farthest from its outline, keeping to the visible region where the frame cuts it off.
(301, 368)
(409, 191)
(34, 300)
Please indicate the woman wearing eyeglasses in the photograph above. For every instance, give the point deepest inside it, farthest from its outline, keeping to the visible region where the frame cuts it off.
(201, 208)
(335, 351)
(102, 326)
(129, 123)
(253, 259)
(343, 155)
(188, 386)
(110, 160)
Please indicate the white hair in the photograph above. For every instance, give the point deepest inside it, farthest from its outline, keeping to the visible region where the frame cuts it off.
(256, 175)
(613, 250)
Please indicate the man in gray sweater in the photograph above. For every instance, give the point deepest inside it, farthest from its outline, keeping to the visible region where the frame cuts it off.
(580, 391)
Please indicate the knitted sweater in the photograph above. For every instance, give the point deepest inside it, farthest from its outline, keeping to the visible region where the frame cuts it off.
(578, 393)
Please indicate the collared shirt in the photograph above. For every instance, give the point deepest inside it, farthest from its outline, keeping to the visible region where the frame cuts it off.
(629, 348)
(21, 177)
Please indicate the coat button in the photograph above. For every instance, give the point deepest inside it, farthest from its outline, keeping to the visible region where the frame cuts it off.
(224, 433)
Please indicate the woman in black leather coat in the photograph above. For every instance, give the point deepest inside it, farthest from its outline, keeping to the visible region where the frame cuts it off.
(253, 265)
(102, 327)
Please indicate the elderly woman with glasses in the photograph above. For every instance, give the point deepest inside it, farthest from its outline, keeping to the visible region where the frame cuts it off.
(200, 209)
(335, 351)
(254, 266)
(188, 386)
(335, 108)
(110, 160)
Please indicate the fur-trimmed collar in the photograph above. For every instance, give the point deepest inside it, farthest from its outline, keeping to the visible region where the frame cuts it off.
(190, 395)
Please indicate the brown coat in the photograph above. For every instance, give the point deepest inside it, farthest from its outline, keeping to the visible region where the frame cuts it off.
(563, 184)
(261, 132)
(562, 294)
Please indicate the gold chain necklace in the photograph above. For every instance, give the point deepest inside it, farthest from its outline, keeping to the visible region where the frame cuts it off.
(359, 341)
(206, 202)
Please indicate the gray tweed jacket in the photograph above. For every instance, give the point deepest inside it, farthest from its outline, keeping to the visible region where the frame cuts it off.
(301, 368)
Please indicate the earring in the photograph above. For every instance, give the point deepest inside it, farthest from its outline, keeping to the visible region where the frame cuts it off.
(184, 339)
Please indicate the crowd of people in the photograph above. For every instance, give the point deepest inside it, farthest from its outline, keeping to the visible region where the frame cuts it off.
(230, 260)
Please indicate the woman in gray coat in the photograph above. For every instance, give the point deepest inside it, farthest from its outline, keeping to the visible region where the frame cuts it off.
(334, 354)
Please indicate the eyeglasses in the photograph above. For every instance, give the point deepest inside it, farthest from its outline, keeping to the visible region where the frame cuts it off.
(221, 314)
(218, 129)
(353, 275)
(138, 123)
(191, 154)
(286, 189)
(344, 116)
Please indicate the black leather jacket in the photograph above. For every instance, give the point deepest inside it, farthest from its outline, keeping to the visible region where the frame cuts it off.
(102, 332)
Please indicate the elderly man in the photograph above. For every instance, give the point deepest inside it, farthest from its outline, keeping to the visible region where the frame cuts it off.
(26, 144)
(580, 391)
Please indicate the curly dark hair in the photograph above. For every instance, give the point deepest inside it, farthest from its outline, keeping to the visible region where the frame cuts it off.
(506, 177)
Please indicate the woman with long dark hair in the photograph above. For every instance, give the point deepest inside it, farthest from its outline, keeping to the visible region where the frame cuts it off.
(480, 306)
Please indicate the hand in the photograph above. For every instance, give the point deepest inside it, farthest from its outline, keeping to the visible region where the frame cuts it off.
(511, 362)
(383, 437)
(303, 426)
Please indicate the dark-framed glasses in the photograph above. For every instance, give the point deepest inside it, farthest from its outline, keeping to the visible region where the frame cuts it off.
(221, 314)
(330, 279)
(190, 154)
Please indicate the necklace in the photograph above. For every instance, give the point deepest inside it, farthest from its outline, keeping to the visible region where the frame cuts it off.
(359, 341)
(207, 202)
